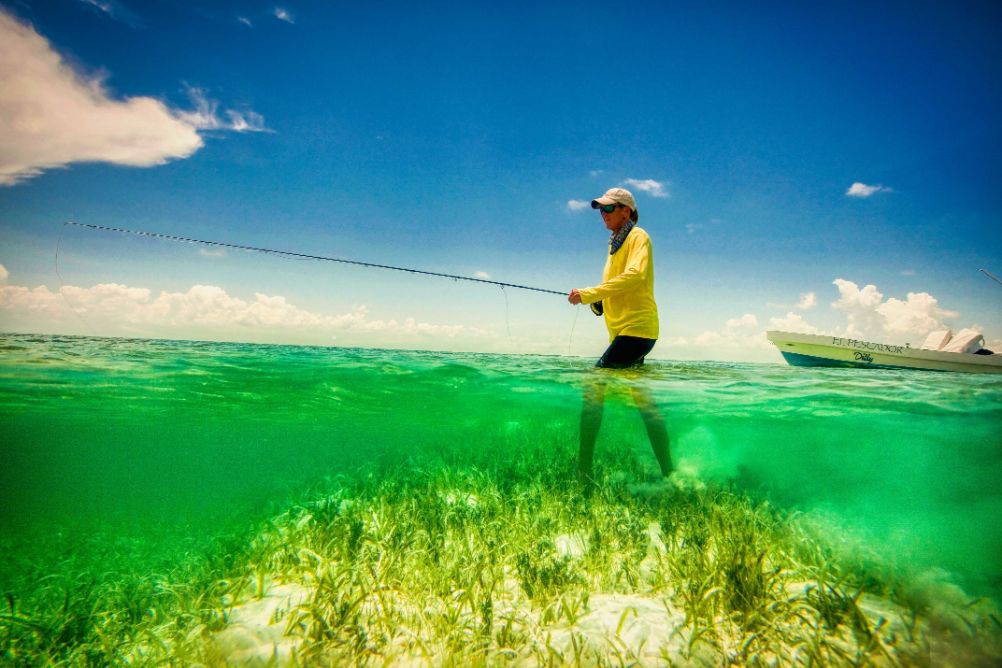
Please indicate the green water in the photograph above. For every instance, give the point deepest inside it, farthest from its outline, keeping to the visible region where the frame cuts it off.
(150, 450)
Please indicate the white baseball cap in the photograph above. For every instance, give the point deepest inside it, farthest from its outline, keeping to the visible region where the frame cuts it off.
(618, 196)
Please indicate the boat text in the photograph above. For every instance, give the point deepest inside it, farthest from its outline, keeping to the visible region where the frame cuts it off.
(864, 357)
(866, 345)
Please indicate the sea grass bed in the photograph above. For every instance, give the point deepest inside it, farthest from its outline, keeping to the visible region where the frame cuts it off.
(505, 562)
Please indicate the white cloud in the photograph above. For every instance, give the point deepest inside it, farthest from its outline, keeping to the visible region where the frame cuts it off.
(919, 314)
(283, 14)
(740, 332)
(202, 310)
(3, 274)
(246, 21)
(851, 298)
(205, 115)
(808, 300)
(869, 315)
(212, 252)
(481, 274)
(859, 306)
(578, 204)
(862, 190)
(793, 322)
(51, 116)
(649, 186)
(907, 272)
(692, 228)
(747, 320)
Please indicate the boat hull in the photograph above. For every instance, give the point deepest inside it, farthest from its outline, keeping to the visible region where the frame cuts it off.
(835, 351)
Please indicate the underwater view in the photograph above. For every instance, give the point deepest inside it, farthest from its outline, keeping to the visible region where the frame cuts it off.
(185, 503)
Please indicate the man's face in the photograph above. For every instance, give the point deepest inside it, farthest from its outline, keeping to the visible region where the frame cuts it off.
(615, 220)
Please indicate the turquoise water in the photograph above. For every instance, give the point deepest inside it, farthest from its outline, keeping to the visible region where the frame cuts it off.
(159, 447)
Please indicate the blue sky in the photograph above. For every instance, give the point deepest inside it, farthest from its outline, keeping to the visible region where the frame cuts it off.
(461, 138)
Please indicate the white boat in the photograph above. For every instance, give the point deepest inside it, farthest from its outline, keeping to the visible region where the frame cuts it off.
(838, 351)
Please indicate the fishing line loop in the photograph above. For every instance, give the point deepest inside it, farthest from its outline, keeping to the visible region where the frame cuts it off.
(507, 319)
(570, 338)
(62, 283)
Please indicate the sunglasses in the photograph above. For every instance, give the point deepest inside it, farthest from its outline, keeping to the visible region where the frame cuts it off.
(609, 208)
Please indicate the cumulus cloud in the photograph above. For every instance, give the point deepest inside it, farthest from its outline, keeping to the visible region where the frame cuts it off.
(868, 314)
(793, 322)
(3, 274)
(481, 274)
(649, 186)
(52, 116)
(202, 309)
(919, 313)
(862, 190)
(740, 332)
(578, 204)
(283, 14)
(808, 300)
(859, 305)
(206, 115)
(747, 320)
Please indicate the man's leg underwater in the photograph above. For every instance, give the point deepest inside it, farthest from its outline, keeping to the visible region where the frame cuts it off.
(657, 432)
(592, 407)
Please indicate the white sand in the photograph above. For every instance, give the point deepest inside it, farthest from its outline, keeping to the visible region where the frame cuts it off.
(638, 629)
(255, 635)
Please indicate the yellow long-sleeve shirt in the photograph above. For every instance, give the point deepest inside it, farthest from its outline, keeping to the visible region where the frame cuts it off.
(627, 289)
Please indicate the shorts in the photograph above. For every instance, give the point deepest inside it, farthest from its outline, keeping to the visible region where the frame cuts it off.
(625, 351)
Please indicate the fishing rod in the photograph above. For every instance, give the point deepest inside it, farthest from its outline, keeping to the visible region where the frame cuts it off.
(989, 275)
(306, 256)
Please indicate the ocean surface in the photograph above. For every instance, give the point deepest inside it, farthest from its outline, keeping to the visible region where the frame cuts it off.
(154, 449)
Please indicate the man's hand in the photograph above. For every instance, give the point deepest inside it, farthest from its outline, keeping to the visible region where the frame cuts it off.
(574, 297)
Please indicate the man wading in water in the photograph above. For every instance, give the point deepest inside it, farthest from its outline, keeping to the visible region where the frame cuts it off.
(626, 299)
